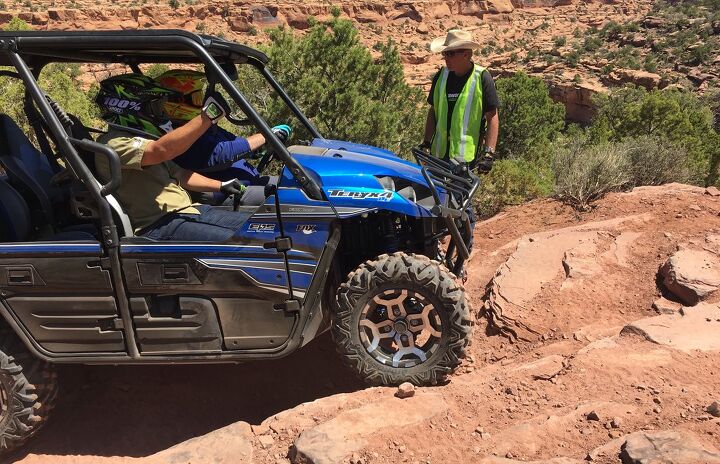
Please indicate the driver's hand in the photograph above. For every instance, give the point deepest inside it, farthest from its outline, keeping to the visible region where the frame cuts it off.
(232, 187)
(283, 132)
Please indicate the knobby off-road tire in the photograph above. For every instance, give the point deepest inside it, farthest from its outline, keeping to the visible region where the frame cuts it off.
(28, 388)
(402, 318)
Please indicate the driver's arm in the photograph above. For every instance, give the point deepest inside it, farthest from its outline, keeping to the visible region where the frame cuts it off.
(176, 142)
(195, 182)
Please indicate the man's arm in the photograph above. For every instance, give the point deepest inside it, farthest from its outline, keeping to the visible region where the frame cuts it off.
(430, 124)
(177, 142)
(493, 127)
(195, 182)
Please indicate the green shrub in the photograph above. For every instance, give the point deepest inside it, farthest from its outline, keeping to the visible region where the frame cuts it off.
(511, 182)
(584, 173)
(17, 24)
(174, 4)
(341, 87)
(529, 117)
(559, 41)
(677, 117)
(654, 161)
(156, 69)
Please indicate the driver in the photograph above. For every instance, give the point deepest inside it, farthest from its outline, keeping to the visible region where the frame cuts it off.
(154, 190)
(217, 154)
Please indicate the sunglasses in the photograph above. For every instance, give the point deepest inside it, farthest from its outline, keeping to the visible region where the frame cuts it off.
(452, 53)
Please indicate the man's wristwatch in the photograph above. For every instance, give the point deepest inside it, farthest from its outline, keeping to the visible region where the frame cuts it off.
(213, 110)
(489, 151)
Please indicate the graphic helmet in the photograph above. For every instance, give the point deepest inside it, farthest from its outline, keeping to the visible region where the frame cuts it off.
(134, 102)
(189, 85)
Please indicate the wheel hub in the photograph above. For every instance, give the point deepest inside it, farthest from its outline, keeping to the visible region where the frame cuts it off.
(400, 327)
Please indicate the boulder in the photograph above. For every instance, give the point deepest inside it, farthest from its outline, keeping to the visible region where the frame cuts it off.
(641, 78)
(230, 444)
(499, 6)
(691, 275)
(658, 447)
(696, 329)
(665, 306)
(239, 24)
(336, 440)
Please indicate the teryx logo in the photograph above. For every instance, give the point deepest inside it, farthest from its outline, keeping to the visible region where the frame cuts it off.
(382, 196)
(119, 105)
(261, 228)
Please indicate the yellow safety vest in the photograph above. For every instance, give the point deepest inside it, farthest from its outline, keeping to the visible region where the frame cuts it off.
(466, 118)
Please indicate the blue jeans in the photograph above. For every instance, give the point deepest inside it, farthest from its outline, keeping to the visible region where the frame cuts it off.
(211, 225)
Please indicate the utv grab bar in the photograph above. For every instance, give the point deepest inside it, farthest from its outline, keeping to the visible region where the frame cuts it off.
(113, 160)
(460, 187)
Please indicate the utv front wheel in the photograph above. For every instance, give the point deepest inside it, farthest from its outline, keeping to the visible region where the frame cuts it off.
(28, 387)
(402, 318)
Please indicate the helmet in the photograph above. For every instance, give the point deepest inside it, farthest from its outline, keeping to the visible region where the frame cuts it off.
(135, 103)
(189, 84)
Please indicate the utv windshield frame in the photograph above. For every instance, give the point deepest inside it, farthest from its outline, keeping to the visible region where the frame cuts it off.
(30, 51)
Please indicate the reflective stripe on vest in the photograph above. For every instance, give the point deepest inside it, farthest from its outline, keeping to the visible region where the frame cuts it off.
(465, 122)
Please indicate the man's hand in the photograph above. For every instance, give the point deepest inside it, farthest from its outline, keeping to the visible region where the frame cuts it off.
(283, 132)
(232, 187)
(485, 164)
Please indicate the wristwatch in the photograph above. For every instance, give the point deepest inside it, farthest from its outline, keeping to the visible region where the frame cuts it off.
(213, 110)
(489, 151)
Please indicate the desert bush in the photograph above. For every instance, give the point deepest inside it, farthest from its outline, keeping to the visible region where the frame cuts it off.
(679, 118)
(585, 172)
(511, 182)
(346, 92)
(654, 161)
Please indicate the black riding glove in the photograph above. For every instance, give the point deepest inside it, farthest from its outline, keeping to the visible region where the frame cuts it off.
(232, 187)
(485, 164)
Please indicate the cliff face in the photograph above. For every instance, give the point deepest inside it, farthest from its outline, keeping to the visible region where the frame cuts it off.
(510, 30)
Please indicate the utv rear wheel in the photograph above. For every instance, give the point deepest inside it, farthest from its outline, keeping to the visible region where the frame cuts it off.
(402, 318)
(28, 387)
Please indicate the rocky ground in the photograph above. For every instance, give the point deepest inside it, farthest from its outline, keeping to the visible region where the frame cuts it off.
(591, 356)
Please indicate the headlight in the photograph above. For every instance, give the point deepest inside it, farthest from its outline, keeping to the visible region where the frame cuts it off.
(408, 193)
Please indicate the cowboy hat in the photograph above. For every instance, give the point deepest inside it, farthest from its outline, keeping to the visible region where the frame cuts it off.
(456, 39)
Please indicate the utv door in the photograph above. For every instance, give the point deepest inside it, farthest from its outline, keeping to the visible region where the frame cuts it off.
(60, 294)
(210, 297)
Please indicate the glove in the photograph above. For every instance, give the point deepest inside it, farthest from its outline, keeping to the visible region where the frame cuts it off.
(283, 132)
(232, 187)
(485, 164)
(215, 106)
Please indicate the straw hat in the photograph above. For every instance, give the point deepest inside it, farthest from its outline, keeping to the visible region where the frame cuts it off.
(456, 39)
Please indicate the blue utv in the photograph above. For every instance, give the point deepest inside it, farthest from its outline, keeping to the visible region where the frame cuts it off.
(350, 240)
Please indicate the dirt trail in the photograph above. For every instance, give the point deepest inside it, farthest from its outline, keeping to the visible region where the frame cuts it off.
(570, 387)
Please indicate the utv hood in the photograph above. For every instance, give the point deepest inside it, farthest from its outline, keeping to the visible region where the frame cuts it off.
(349, 173)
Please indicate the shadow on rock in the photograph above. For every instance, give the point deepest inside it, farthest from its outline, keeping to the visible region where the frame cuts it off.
(139, 410)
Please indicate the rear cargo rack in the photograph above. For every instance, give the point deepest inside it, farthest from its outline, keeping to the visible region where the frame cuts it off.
(460, 186)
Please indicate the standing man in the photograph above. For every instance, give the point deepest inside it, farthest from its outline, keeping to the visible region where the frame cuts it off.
(462, 123)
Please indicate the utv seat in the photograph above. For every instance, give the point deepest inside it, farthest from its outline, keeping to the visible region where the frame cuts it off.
(27, 168)
(16, 223)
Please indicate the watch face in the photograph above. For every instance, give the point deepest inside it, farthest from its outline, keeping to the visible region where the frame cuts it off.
(213, 110)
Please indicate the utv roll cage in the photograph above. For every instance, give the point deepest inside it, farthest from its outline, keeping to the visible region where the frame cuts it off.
(29, 51)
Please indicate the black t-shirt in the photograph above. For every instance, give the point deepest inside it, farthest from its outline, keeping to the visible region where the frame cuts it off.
(454, 87)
